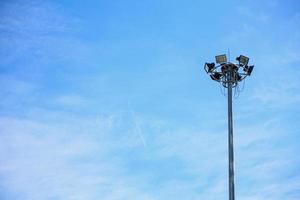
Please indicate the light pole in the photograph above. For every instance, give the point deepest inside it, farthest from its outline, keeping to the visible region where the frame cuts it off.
(229, 75)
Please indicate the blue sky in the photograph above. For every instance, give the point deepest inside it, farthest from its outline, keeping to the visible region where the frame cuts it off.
(109, 100)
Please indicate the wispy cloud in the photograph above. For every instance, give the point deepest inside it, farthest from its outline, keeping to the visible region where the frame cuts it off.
(60, 140)
(38, 32)
(137, 128)
(63, 159)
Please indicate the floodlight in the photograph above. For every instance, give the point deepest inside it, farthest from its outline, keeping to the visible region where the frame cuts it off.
(243, 60)
(216, 76)
(209, 67)
(239, 77)
(221, 59)
(249, 69)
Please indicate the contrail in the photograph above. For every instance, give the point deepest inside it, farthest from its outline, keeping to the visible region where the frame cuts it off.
(137, 129)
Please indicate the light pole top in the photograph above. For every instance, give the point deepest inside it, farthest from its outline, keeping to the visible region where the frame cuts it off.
(225, 72)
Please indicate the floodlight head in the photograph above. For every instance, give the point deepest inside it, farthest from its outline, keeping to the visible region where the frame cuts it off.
(209, 67)
(239, 77)
(224, 69)
(250, 69)
(243, 60)
(221, 59)
(216, 76)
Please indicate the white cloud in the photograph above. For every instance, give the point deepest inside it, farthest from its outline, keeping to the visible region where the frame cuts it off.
(55, 160)
(65, 156)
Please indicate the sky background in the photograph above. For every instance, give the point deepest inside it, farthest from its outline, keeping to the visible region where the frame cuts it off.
(108, 100)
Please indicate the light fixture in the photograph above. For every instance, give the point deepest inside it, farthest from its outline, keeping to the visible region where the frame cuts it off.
(209, 67)
(249, 69)
(239, 77)
(243, 60)
(221, 59)
(216, 76)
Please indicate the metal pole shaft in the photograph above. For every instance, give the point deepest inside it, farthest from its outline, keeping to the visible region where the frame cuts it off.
(230, 137)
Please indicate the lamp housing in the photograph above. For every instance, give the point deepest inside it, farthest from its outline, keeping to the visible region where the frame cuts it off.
(243, 60)
(216, 76)
(249, 69)
(221, 59)
(209, 67)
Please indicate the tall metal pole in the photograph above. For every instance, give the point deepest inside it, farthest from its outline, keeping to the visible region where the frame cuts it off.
(229, 75)
(230, 136)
